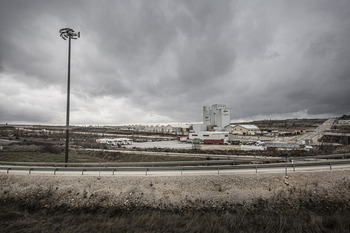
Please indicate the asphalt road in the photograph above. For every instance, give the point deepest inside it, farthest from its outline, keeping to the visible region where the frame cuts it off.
(180, 171)
(318, 132)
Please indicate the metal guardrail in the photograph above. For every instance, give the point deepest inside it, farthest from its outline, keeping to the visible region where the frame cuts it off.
(332, 156)
(54, 170)
(139, 164)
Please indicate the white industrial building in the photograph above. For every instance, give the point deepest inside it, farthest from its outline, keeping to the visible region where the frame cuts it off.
(216, 117)
(209, 137)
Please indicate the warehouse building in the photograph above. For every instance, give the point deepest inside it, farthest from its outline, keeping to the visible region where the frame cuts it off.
(243, 129)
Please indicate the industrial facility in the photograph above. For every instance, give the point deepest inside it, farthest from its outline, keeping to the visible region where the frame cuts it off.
(215, 119)
(215, 128)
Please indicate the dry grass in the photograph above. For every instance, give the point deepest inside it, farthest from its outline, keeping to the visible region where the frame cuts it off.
(51, 153)
(15, 218)
(37, 156)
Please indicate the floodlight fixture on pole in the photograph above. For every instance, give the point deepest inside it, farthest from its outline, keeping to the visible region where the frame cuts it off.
(68, 33)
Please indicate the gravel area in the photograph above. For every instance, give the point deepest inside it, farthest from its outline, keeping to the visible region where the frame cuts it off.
(177, 192)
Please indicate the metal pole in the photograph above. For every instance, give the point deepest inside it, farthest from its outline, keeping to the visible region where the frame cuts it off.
(285, 165)
(68, 101)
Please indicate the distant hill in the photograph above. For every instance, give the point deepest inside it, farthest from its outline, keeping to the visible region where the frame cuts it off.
(286, 124)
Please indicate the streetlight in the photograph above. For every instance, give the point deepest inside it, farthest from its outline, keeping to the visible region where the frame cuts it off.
(67, 33)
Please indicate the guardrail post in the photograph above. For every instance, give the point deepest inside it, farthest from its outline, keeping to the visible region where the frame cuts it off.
(54, 171)
(146, 171)
(330, 166)
(285, 165)
(82, 172)
(256, 169)
(113, 171)
(30, 170)
(8, 169)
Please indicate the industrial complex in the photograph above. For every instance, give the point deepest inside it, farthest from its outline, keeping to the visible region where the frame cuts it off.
(217, 128)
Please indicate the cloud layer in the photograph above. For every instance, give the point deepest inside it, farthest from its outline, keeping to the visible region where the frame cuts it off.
(161, 60)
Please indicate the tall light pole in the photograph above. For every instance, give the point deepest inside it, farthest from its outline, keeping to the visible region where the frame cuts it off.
(67, 33)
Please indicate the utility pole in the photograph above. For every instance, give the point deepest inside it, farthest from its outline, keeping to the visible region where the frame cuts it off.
(67, 33)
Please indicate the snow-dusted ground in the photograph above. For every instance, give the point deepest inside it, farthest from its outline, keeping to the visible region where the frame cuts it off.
(161, 144)
(175, 191)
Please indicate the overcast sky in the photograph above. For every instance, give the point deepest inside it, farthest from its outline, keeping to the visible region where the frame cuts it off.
(149, 61)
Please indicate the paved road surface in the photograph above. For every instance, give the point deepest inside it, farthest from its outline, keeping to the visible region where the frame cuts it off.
(318, 132)
(182, 171)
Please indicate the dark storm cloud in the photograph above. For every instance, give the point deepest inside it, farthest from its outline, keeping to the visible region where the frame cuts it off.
(161, 60)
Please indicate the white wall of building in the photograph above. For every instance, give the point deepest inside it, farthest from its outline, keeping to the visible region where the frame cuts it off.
(198, 127)
(203, 135)
(216, 115)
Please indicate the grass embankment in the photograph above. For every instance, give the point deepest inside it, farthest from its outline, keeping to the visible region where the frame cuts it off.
(119, 156)
(43, 152)
(30, 154)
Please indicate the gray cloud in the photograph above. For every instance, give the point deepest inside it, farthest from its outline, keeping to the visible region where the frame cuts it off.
(161, 60)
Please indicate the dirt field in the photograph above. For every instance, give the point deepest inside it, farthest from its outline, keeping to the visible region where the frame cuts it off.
(302, 202)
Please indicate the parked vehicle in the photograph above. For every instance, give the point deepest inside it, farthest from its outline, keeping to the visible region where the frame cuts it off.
(214, 141)
(308, 148)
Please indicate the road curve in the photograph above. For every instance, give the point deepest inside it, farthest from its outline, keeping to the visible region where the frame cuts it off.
(285, 168)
